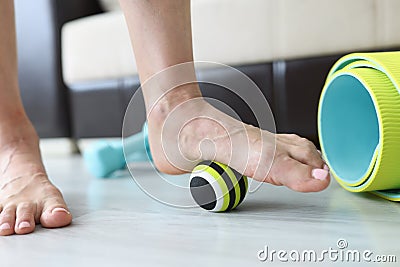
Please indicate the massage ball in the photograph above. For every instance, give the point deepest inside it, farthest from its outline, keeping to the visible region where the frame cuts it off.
(216, 187)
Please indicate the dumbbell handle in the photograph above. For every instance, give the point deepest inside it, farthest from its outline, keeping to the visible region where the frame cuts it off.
(136, 147)
(103, 158)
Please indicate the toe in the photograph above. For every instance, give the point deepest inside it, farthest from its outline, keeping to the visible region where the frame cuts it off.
(7, 221)
(55, 214)
(25, 221)
(307, 154)
(299, 176)
(57, 217)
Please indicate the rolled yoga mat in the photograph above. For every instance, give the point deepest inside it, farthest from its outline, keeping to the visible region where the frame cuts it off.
(359, 123)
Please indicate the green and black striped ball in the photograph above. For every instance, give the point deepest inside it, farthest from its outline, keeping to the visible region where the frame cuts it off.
(217, 187)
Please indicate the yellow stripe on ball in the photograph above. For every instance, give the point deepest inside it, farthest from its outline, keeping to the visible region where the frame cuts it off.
(217, 187)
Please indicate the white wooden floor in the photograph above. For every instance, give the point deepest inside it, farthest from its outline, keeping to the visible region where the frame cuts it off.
(116, 224)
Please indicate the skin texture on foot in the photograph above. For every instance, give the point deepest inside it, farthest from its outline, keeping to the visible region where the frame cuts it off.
(27, 197)
(194, 130)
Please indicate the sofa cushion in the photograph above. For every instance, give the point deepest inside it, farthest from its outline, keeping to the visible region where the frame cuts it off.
(97, 47)
(238, 32)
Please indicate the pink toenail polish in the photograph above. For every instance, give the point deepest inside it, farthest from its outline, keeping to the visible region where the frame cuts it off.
(5, 226)
(60, 210)
(326, 167)
(320, 174)
(24, 225)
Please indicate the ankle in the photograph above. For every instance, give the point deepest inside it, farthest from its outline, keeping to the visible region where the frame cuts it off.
(16, 129)
(163, 106)
(12, 115)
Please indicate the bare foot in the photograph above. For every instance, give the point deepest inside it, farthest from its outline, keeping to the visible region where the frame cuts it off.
(27, 197)
(183, 131)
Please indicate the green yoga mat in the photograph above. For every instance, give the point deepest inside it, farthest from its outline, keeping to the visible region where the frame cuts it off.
(359, 123)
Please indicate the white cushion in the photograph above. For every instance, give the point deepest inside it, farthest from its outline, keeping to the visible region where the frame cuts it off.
(238, 32)
(97, 47)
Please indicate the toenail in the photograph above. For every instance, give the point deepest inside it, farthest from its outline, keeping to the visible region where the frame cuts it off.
(326, 167)
(24, 225)
(5, 226)
(320, 174)
(60, 210)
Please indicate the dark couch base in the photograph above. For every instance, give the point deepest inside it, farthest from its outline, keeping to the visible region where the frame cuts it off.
(291, 87)
(98, 108)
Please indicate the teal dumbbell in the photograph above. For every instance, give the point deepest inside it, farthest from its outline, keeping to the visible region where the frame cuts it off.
(104, 157)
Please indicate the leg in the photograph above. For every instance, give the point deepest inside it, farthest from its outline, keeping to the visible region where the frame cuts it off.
(161, 37)
(27, 196)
